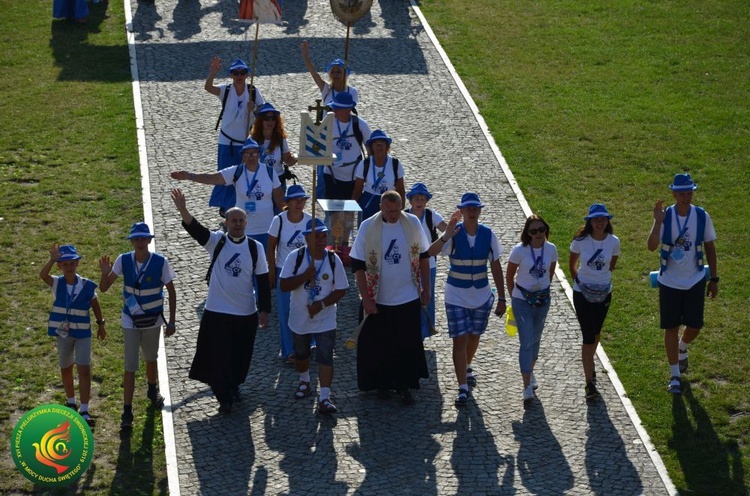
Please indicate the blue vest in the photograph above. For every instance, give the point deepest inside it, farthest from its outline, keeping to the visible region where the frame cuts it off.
(78, 315)
(149, 291)
(666, 238)
(469, 265)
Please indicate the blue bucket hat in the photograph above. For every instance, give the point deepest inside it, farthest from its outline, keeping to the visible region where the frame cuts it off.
(237, 65)
(266, 108)
(319, 227)
(470, 199)
(337, 62)
(343, 100)
(251, 144)
(378, 134)
(68, 252)
(295, 191)
(140, 230)
(683, 182)
(598, 210)
(419, 189)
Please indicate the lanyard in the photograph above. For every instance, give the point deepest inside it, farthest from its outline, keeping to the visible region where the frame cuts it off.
(71, 296)
(681, 229)
(313, 292)
(139, 273)
(342, 134)
(538, 262)
(252, 182)
(381, 176)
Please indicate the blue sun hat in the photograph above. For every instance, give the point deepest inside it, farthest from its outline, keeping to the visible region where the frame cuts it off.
(337, 62)
(238, 65)
(683, 182)
(419, 189)
(470, 199)
(266, 108)
(68, 252)
(597, 210)
(320, 227)
(378, 134)
(295, 191)
(343, 100)
(251, 144)
(140, 230)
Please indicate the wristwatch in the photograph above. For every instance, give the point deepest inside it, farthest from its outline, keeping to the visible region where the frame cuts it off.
(714, 279)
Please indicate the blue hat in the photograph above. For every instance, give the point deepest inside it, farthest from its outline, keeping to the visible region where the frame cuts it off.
(598, 210)
(251, 144)
(378, 134)
(419, 189)
(266, 108)
(237, 65)
(337, 62)
(319, 227)
(470, 199)
(68, 252)
(295, 191)
(140, 230)
(343, 100)
(683, 182)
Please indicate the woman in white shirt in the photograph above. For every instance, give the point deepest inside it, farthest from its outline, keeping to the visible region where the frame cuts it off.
(268, 130)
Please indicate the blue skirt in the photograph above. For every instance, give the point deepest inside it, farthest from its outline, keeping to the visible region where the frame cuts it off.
(225, 197)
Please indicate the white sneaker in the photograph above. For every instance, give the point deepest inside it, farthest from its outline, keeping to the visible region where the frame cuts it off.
(528, 394)
(533, 383)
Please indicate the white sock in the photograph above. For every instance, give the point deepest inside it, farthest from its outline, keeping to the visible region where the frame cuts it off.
(683, 347)
(72, 400)
(305, 376)
(325, 393)
(674, 370)
(84, 407)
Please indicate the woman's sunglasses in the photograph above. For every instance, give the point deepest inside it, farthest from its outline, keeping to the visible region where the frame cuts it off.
(540, 230)
(239, 73)
(269, 117)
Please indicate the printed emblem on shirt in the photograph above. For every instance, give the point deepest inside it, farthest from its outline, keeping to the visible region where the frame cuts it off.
(232, 267)
(268, 158)
(392, 254)
(256, 193)
(296, 240)
(596, 262)
(314, 290)
(538, 270)
(684, 241)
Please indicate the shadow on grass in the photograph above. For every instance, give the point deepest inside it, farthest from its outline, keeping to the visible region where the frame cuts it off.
(134, 473)
(710, 465)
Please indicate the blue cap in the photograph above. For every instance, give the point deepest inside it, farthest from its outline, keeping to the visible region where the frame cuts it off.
(419, 189)
(68, 252)
(337, 62)
(598, 210)
(266, 108)
(295, 191)
(343, 100)
(683, 182)
(237, 65)
(319, 227)
(140, 230)
(470, 199)
(378, 134)
(251, 144)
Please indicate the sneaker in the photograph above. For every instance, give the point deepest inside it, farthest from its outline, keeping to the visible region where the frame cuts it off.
(462, 398)
(406, 397)
(225, 407)
(675, 385)
(592, 394)
(126, 421)
(683, 363)
(528, 395)
(72, 406)
(533, 382)
(157, 400)
(87, 417)
(326, 407)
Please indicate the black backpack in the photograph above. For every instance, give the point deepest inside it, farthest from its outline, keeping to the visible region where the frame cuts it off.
(253, 94)
(331, 260)
(220, 245)
(430, 225)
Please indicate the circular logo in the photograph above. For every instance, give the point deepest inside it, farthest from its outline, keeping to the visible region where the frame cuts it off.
(52, 445)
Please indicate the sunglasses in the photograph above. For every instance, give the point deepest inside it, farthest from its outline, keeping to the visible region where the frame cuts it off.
(540, 230)
(253, 152)
(239, 73)
(269, 117)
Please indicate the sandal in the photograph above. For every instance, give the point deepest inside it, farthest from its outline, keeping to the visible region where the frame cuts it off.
(303, 390)
(462, 399)
(327, 407)
(675, 385)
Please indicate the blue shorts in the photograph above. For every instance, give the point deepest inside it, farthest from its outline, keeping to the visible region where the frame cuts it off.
(463, 320)
(324, 344)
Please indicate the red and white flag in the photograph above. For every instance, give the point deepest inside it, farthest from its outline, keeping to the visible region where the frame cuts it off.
(261, 11)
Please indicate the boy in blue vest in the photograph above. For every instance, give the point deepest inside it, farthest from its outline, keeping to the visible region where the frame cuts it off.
(684, 232)
(145, 274)
(468, 295)
(70, 323)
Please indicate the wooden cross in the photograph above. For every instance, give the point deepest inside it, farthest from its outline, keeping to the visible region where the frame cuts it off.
(318, 108)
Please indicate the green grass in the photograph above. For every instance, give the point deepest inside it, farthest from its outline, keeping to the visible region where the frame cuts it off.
(604, 102)
(68, 173)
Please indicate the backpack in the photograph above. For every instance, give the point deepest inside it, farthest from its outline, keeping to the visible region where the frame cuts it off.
(331, 260)
(220, 245)
(253, 94)
(395, 175)
(241, 167)
(428, 220)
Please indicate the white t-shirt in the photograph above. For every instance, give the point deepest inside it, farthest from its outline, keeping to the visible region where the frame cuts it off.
(258, 205)
(274, 159)
(396, 285)
(73, 289)
(472, 297)
(685, 275)
(595, 257)
(346, 148)
(234, 121)
(382, 175)
(299, 320)
(327, 94)
(291, 236)
(533, 272)
(167, 275)
(436, 220)
(231, 290)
